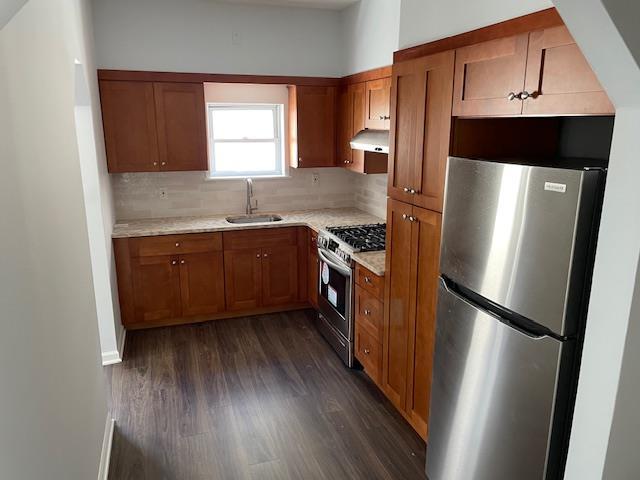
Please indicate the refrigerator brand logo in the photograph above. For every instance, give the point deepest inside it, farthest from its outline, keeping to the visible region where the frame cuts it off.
(555, 187)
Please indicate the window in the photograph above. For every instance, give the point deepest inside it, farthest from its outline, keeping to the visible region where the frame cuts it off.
(245, 140)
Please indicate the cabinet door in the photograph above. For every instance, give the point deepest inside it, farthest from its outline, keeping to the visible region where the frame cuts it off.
(377, 96)
(486, 74)
(156, 288)
(420, 130)
(559, 78)
(129, 119)
(422, 300)
(397, 302)
(313, 124)
(243, 279)
(279, 275)
(345, 126)
(359, 98)
(182, 133)
(202, 283)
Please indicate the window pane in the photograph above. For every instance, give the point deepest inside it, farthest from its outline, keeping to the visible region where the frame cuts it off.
(245, 157)
(236, 124)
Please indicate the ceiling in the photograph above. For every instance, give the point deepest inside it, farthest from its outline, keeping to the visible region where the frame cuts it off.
(326, 4)
(8, 8)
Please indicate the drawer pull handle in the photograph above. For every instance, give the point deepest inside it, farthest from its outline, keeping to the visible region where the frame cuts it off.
(367, 351)
(367, 279)
(367, 311)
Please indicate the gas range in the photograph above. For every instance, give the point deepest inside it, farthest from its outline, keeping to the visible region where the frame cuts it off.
(343, 242)
(336, 282)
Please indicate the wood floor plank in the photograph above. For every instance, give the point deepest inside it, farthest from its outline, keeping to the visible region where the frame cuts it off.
(252, 398)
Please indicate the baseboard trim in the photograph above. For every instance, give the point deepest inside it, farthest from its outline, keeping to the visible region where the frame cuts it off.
(115, 356)
(107, 443)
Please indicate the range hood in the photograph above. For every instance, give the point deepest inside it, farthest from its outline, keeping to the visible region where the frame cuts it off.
(371, 141)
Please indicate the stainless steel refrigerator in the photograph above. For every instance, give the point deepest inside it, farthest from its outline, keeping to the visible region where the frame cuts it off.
(516, 257)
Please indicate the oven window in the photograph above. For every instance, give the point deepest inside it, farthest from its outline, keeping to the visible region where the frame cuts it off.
(335, 289)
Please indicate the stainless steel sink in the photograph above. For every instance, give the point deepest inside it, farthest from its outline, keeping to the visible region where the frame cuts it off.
(254, 219)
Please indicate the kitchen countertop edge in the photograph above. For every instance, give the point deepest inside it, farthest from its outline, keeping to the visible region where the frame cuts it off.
(314, 219)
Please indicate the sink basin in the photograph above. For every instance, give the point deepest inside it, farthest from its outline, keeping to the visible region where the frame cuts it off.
(254, 219)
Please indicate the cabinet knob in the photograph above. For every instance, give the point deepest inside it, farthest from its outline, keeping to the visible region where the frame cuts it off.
(367, 351)
(182, 262)
(367, 311)
(174, 262)
(367, 279)
(155, 164)
(264, 255)
(412, 219)
(412, 191)
(177, 244)
(299, 160)
(257, 255)
(406, 189)
(524, 95)
(512, 96)
(385, 117)
(163, 163)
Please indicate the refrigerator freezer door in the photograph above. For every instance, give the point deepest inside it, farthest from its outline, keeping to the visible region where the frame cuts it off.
(519, 236)
(492, 397)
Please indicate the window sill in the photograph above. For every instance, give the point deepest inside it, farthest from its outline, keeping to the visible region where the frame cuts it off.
(269, 177)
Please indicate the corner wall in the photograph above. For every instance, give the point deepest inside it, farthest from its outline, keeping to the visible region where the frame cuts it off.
(53, 394)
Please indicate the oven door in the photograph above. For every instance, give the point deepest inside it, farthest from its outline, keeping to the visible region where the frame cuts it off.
(335, 293)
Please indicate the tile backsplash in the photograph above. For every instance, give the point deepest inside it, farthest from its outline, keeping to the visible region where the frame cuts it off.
(175, 194)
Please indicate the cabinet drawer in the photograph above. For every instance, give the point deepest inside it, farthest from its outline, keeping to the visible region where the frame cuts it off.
(370, 281)
(260, 238)
(369, 353)
(369, 312)
(175, 244)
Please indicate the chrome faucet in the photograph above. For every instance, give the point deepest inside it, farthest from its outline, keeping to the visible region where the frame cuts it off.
(250, 209)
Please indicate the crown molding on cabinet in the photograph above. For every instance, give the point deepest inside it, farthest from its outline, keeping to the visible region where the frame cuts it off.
(525, 24)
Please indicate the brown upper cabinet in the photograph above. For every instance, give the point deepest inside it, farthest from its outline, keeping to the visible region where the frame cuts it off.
(312, 126)
(377, 94)
(151, 126)
(420, 127)
(129, 118)
(352, 118)
(559, 78)
(182, 131)
(537, 73)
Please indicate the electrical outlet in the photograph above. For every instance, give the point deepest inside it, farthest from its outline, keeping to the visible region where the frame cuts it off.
(315, 178)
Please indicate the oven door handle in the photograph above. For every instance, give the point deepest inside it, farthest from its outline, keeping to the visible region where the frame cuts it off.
(341, 268)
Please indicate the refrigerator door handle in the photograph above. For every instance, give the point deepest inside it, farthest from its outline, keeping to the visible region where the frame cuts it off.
(501, 314)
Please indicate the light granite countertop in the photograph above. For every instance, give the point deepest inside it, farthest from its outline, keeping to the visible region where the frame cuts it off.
(315, 219)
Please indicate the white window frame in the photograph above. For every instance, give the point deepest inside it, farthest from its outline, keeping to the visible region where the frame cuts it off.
(278, 140)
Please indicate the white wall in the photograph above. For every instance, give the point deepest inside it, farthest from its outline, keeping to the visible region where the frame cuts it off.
(422, 21)
(599, 401)
(370, 29)
(53, 399)
(196, 36)
(98, 192)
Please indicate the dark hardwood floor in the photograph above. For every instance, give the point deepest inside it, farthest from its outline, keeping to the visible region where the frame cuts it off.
(252, 398)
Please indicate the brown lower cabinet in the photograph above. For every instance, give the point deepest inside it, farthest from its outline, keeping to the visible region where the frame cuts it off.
(314, 268)
(369, 322)
(413, 245)
(173, 279)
